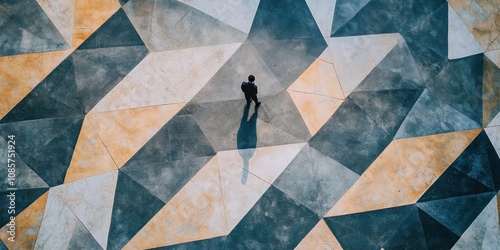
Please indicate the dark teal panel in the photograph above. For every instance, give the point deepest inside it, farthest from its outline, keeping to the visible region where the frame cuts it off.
(345, 10)
(376, 227)
(460, 85)
(374, 18)
(275, 222)
(437, 236)
(285, 19)
(457, 213)
(388, 108)
(46, 145)
(429, 62)
(351, 137)
(397, 70)
(82, 239)
(117, 31)
(478, 161)
(23, 198)
(315, 180)
(409, 235)
(133, 207)
(453, 183)
(288, 59)
(25, 28)
(431, 116)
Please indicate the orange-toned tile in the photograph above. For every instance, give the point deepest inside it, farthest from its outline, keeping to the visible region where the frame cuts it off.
(315, 109)
(320, 78)
(89, 15)
(12, 94)
(61, 13)
(27, 225)
(319, 238)
(196, 212)
(124, 132)
(31, 69)
(90, 156)
(394, 181)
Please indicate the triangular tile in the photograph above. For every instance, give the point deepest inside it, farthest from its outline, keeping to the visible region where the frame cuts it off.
(90, 156)
(453, 183)
(172, 25)
(124, 132)
(480, 161)
(22, 199)
(315, 109)
(238, 14)
(14, 93)
(225, 84)
(445, 118)
(89, 16)
(315, 180)
(430, 156)
(409, 235)
(351, 137)
(484, 232)
(383, 226)
(268, 25)
(457, 213)
(491, 91)
(320, 237)
(50, 154)
(386, 183)
(27, 29)
(436, 235)
(387, 108)
(322, 12)
(494, 136)
(91, 200)
(289, 58)
(82, 239)
(28, 225)
(29, 178)
(167, 77)
(53, 234)
(129, 217)
(495, 122)
(461, 42)
(345, 10)
(494, 57)
(196, 212)
(320, 78)
(61, 15)
(355, 57)
(117, 31)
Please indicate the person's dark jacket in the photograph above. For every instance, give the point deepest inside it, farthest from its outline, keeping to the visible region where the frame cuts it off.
(249, 88)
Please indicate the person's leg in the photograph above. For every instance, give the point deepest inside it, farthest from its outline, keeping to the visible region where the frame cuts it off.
(255, 99)
(248, 98)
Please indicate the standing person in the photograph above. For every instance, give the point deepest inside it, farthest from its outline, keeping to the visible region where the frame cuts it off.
(250, 90)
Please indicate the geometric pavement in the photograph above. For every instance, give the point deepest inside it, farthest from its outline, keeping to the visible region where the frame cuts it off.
(379, 126)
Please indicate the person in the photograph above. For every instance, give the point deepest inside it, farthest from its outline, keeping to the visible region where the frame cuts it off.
(250, 89)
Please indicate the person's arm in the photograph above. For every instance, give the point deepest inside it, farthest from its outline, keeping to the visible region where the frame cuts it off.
(256, 89)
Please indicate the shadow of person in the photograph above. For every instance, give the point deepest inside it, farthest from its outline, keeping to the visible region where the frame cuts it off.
(247, 139)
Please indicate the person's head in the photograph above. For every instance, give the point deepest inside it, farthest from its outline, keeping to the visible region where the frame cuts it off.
(251, 78)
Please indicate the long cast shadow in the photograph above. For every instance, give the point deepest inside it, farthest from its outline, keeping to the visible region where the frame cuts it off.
(247, 139)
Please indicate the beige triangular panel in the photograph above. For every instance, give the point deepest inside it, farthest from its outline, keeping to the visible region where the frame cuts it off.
(61, 14)
(481, 18)
(315, 109)
(319, 238)
(167, 77)
(196, 212)
(27, 225)
(91, 200)
(245, 181)
(12, 93)
(320, 78)
(89, 15)
(461, 42)
(90, 156)
(403, 172)
(124, 132)
(354, 57)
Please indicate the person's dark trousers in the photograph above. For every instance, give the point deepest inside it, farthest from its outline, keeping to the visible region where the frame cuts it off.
(251, 97)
